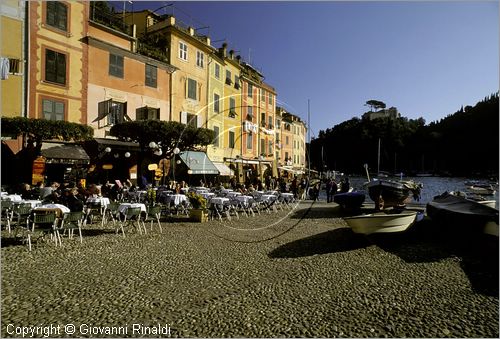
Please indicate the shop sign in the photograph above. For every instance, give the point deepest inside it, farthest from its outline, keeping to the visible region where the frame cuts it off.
(38, 170)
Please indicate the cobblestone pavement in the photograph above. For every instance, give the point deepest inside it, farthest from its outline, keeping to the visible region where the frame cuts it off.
(294, 273)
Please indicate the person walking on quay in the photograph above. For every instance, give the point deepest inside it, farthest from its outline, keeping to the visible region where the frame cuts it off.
(345, 185)
(294, 187)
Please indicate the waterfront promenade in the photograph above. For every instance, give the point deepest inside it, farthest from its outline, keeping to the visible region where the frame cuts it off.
(292, 273)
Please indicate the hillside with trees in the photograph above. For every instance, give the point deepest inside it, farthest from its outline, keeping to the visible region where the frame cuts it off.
(464, 143)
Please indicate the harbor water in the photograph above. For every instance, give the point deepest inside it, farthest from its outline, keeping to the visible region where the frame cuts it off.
(432, 186)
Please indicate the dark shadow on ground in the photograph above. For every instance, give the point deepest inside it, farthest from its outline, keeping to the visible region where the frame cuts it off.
(337, 240)
(427, 241)
(12, 241)
(321, 212)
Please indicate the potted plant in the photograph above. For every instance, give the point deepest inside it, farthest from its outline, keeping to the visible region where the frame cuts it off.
(199, 211)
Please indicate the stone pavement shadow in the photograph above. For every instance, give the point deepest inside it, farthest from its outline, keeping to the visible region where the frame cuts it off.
(321, 212)
(337, 240)
(426, 242)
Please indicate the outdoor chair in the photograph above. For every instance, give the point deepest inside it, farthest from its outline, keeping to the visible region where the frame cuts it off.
(154, 213)
(94, 211)
(46, 223)
(6, 213)
(72, 221)
(110, 213)
(20, 215)
(132, 217)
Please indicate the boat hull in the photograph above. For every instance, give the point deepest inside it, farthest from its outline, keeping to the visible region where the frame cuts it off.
(459, 213)
(349, 200)
(393, 193)
(381, 222)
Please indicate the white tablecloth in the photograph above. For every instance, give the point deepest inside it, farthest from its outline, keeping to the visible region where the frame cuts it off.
(60, 207)
(245, 199)
(208, 195)
(176, 198)
(124, 206)
(201, 190)
(219, 201)
(268, 197)
(232, 194)
(33, 203)
(102, 200)
(287, 196)
(12, 197)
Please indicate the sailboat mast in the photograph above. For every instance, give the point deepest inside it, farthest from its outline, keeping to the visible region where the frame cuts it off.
(378, 158)
(309, 138)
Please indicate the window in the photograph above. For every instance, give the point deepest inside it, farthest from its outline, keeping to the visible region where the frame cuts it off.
(192, 90)
(250, 113)
(262, 146)
(228, 77)
(53, 110)
(232, 107)
(250, 90)
(116, 113)
(183, 51)
(57, 15)
(192, 120)
(116, 65)
(200, 59)
(277, 137)
(270, 148)
(147, 113)
(231, 139)
(270, 99)
(249, 140)
(286, 156)
(270, 122)
(217, 71)
(286, 142)
(14, 66)
(263, 119)
(151, 75)
(216, 137)
(278, 123)
(216, 103)
(262, 95)
(55, 67)
(236, 82)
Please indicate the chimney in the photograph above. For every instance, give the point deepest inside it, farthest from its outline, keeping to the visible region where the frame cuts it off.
(170, 21)
(191, 31)
(231, 54)
(223, 50)
(238, 58)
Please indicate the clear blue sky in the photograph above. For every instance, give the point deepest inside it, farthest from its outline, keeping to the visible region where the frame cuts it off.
(425, 58)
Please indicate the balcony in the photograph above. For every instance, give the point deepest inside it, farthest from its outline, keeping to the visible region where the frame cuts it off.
(109, 20)
(152, 51)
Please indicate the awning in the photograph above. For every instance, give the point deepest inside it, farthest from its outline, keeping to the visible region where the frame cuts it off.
(198, 163)
(59, 153)
(223, 169)
(117, 144)
(291, 170)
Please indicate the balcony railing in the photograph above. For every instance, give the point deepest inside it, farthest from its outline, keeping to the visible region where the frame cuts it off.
(152, 51)
(109, 20)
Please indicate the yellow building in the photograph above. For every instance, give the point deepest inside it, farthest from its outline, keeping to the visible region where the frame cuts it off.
(216, 107)
(188, 51)
(12, 56)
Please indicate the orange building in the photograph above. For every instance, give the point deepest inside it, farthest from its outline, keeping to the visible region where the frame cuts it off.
(123, 85)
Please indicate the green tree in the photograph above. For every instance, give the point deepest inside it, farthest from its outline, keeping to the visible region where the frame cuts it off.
(35, 131)
(375, 104)
(168, 135)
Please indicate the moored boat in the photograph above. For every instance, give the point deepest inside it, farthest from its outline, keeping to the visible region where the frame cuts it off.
(350, 200)
(381, 222)
(387, 193)
(457, 212)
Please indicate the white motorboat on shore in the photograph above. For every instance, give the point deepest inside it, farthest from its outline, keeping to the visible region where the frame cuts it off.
(382, 222)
